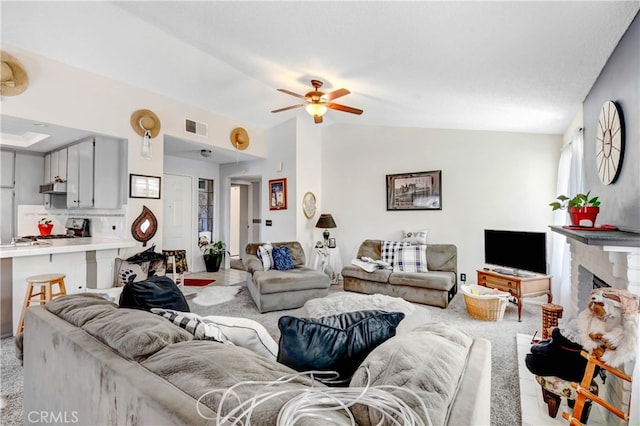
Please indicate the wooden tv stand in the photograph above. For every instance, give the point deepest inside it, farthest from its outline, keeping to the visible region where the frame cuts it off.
(519, 286)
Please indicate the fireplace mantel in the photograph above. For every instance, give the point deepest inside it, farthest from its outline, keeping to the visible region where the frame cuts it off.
(600, 238)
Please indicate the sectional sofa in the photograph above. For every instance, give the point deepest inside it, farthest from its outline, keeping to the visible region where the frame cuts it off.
(94, 363)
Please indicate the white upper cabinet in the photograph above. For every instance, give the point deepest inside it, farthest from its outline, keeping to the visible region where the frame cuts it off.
(80, 174)
(6, 168)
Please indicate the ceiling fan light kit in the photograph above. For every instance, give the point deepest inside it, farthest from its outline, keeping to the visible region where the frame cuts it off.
(317, 102)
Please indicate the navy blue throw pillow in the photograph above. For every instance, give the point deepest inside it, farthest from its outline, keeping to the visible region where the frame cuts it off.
(334, 343)
(282, 258)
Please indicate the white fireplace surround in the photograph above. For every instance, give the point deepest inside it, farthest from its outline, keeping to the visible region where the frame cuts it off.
(619, 267)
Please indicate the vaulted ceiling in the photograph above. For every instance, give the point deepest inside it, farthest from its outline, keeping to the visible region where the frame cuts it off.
(506, 66)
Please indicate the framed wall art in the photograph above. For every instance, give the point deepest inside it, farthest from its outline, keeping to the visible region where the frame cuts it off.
(415, 191)
(278, 194)
(141, 186)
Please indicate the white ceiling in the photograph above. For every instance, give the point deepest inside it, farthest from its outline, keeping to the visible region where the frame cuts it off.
(505, 66)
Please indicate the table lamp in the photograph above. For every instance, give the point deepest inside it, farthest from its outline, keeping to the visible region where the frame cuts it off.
(326, 221)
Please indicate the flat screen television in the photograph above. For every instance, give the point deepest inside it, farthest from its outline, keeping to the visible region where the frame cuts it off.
(516, 252)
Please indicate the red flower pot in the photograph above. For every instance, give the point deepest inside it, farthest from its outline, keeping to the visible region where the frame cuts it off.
(45, 229)
(583, 216)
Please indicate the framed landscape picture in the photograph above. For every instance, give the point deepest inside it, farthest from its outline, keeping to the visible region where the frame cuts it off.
(278, 194)
(415, 191)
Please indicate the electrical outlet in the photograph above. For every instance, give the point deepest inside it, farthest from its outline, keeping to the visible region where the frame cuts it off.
(463, 277)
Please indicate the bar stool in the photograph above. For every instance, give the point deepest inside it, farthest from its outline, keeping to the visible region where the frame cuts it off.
(44, 284)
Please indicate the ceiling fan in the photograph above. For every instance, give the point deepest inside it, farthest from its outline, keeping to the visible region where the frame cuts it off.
(318, 102)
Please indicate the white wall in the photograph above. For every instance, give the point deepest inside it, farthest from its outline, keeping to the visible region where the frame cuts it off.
(309, 179)
(489, 180)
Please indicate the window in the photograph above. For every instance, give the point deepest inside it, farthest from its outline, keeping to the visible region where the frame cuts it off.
(205, 207)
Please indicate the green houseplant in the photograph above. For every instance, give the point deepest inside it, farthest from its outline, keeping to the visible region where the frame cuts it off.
(213, 254)
(583, 209)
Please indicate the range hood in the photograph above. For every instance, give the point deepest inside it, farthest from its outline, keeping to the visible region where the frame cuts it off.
(54, 188)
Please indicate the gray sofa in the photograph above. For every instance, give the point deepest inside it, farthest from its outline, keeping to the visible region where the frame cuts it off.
(436, 287)
(89, 362)
(275, 290)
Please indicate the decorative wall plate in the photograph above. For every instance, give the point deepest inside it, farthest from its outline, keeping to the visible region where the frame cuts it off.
(609, 143)
(145, 226)
(309, 205)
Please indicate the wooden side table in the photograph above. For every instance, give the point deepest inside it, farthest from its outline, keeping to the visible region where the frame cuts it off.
(518, 286)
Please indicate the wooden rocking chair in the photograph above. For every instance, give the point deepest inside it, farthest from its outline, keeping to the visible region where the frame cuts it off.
(584, 394)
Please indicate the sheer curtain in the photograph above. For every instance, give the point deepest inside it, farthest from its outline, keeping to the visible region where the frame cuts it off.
(570, 182)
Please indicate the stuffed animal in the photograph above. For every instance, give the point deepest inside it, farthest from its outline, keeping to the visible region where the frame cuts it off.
(609, 326)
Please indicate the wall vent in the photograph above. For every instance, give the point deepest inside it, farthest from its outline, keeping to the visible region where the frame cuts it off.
(195, 128)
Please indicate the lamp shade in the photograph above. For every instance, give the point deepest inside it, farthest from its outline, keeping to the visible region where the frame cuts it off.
(326, 221)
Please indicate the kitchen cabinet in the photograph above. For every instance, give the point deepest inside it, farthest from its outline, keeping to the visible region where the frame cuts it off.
(108, 171)
(55, 166)
(93, 169)
(7, 194)
(80, 174)
(7, 161)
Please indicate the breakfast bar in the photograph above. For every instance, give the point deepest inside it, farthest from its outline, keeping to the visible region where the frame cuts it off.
(86, 262)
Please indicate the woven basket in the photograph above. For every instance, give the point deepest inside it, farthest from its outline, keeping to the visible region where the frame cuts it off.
(550, 315)
(486, 306)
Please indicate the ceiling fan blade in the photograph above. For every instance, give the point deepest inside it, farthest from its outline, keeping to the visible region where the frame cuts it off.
(317, 119)
(343, 108)
(336, 94)
(289, 107)
(289, 92)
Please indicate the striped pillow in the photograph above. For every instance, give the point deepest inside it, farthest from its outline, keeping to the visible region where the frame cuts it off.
(265, 254)
(193, 324)
(410, 259)
(389, 249)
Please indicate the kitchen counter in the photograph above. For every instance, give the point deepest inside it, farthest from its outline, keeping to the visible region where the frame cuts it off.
(87, 262)
(65, 245)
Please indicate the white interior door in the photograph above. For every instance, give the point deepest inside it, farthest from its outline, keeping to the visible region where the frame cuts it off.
(178, 218)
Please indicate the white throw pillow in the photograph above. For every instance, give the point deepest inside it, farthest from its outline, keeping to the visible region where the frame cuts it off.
(415, 237)
(123, 271)
(389, 250)
(265, 254)
(246, 333)
(410, 259)
(242, 332)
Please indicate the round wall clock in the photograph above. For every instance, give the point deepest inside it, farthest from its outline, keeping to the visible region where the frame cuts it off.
(609, 143)
(309, 205)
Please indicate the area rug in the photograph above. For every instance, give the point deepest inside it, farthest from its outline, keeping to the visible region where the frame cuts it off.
(215, 295)
(196, 282)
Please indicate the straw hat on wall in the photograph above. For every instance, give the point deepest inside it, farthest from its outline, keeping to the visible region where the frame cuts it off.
(143, 120)
(240, 138)
(13, 76)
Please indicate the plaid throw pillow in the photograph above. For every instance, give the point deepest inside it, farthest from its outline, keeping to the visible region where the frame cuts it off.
(265, 255)
(389, 249)
(411, 259)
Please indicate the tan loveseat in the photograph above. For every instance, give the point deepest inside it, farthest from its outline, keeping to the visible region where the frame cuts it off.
(436, 287)
(275, 290)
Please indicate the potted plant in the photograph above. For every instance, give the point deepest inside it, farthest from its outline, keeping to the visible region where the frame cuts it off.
(213, 254)
(582, 208)
(45, 226)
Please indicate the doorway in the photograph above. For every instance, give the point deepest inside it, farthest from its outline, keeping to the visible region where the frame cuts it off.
(177, 224)
(244, 216)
